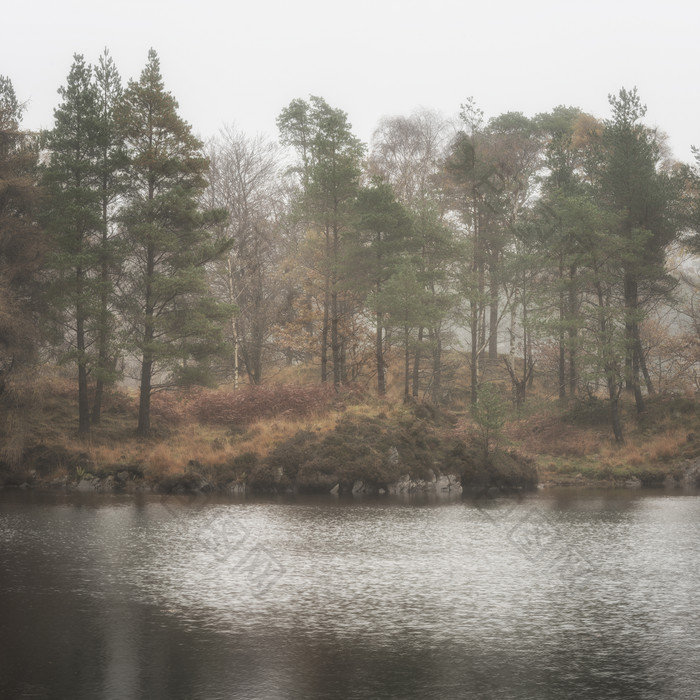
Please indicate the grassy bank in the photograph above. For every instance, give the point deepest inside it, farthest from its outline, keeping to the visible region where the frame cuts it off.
(308, 437)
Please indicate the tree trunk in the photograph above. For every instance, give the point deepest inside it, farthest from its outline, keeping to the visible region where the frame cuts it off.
(144, 425)
(493, 310)
(147, 360)
(97, 401)
(335, 339)
(379, 346)
(643, 362)
(527, 347)
(609, 369)
(343, 361)
(615, 420)
(103, 362)
(416, 362)
(638, 398)
(335, 313)
(437, 366)
(632, 336)
(562, 348)
(474, 367)
(236, 368)
(83, 398)
(234, 322)
(407, 365)
(573, 333)
(324, 332)
(476, 296)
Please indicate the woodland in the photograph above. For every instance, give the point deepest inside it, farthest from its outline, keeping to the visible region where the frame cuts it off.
(475, 264)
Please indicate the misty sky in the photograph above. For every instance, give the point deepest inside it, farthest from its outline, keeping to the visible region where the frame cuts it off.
(241, 63)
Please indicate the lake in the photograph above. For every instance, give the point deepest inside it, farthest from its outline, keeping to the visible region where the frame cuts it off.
(559, 594)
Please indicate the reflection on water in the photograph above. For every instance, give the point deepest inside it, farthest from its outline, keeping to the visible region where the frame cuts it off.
(560, 595)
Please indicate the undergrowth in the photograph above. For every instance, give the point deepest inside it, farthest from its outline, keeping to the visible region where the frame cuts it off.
(255, 432)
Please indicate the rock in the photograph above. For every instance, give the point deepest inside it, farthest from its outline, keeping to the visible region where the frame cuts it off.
(85, 485)
(360, 488)
(442, 483)
(335, 490)
(403, 485)
(691, 474)
(633, 483)
(448, 483)
(393, 456)
(445, 483)
(670, 482)
(455, 483)
(61, 482)
(122, 476)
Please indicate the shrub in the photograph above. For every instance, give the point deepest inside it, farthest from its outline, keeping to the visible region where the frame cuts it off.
(256, 402)
(489, 414)
(172, 407)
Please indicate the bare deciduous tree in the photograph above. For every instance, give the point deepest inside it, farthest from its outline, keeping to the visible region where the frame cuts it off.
(245, 179)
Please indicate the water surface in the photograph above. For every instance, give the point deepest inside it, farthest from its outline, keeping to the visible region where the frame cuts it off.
(563, 594)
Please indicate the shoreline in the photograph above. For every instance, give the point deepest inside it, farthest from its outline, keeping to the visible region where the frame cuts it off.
(684, 477)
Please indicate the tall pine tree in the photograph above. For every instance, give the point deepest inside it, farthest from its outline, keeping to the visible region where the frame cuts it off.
(329, 167)
(174, 324)
(111, 164)
(635, 187)
(73, 219)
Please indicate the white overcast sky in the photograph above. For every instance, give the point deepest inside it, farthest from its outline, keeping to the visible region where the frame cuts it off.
(242, 62)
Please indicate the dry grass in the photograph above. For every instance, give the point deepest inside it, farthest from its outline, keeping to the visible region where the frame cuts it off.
(203, 427)
(201, 446)
(549, 435)
(656, 449)
(206, 430)
(242, 407)
(264, 435)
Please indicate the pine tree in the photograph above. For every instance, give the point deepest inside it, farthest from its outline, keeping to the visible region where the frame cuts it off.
(380, 237)
(329, 169)
(409, 307)
(174, 324)
(636, 189)
(111, 163)
(73, 219)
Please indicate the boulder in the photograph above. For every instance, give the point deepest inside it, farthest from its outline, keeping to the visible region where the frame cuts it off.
(444, 483)
(85, 485)
(360, 488)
